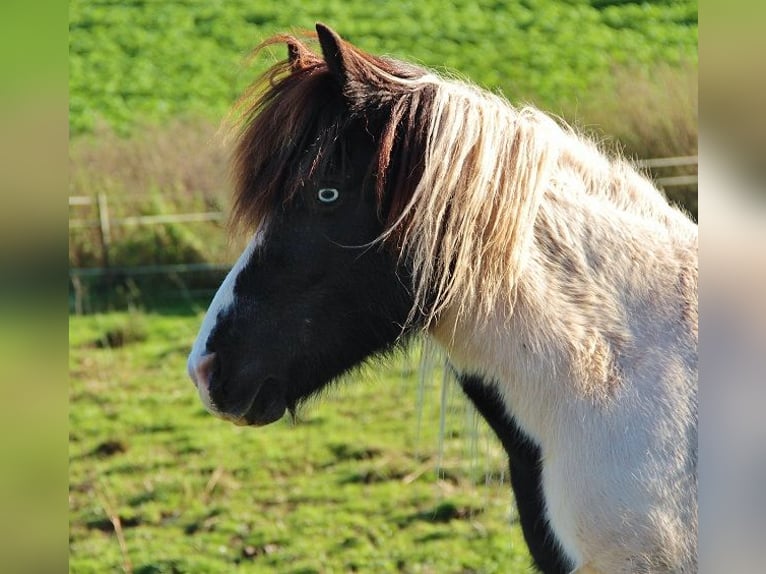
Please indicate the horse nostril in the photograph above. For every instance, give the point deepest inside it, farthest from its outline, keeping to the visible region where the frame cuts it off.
(203, 370)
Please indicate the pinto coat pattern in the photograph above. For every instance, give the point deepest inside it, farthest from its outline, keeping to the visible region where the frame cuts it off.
(561, 283)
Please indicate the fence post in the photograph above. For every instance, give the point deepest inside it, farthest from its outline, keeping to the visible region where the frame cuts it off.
(78, 294)
(106, 236)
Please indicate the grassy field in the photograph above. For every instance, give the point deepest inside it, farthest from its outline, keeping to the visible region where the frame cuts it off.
(137, 61)
(157, 485)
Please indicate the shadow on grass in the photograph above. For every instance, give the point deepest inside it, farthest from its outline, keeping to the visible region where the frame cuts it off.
(442, 513)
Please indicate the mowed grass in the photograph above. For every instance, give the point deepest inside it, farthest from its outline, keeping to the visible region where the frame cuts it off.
(157, 485)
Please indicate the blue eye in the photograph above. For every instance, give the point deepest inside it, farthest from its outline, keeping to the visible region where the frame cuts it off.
(328, 195)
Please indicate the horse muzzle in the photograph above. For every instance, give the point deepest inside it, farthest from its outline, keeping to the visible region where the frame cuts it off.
(242, 400)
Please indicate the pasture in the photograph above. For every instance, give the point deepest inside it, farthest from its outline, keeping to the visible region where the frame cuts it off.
(137, 61)
(352, 486)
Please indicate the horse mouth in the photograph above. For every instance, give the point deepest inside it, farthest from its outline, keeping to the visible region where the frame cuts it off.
(269, 405)
(264, 406)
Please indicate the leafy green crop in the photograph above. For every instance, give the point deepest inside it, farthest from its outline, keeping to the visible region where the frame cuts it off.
(137, 61)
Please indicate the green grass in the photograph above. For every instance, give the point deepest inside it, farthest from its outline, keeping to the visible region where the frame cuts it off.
(136, 61)
(352, 487)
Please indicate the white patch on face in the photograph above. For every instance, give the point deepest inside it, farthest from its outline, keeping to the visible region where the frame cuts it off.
(223, 300)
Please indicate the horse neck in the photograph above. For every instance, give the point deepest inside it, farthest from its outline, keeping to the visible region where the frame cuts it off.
(596, 287)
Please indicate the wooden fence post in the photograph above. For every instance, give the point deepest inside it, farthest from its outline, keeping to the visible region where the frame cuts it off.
(106, 236)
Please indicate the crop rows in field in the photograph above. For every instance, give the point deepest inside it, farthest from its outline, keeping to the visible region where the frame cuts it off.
(143, 61)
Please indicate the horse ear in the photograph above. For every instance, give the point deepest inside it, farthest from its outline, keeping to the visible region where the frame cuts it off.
(333, 52)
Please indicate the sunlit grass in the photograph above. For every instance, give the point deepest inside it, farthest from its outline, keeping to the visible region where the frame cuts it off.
(159, 485)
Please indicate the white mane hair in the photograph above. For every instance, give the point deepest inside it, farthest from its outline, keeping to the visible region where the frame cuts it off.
(487, 168)
(469, 221)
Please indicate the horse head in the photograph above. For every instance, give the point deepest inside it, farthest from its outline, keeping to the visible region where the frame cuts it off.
(317, 290)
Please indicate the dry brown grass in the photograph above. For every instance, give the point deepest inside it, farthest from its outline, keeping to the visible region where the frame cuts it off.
(184, 159)
(650, 113)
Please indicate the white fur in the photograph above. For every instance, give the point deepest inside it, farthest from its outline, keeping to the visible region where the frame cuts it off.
(598, 363)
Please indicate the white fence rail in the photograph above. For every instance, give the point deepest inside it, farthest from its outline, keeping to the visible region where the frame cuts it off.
(667, 161)
(151, 219)
(659, 163)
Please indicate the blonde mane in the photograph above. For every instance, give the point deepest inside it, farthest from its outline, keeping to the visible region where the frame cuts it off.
(470, 217)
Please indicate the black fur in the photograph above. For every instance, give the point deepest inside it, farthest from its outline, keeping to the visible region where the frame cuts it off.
(525, 464)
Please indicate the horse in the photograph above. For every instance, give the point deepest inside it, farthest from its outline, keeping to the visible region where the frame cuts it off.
(386, 201)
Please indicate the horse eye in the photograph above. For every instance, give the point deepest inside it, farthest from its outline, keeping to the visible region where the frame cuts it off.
(328, 195)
